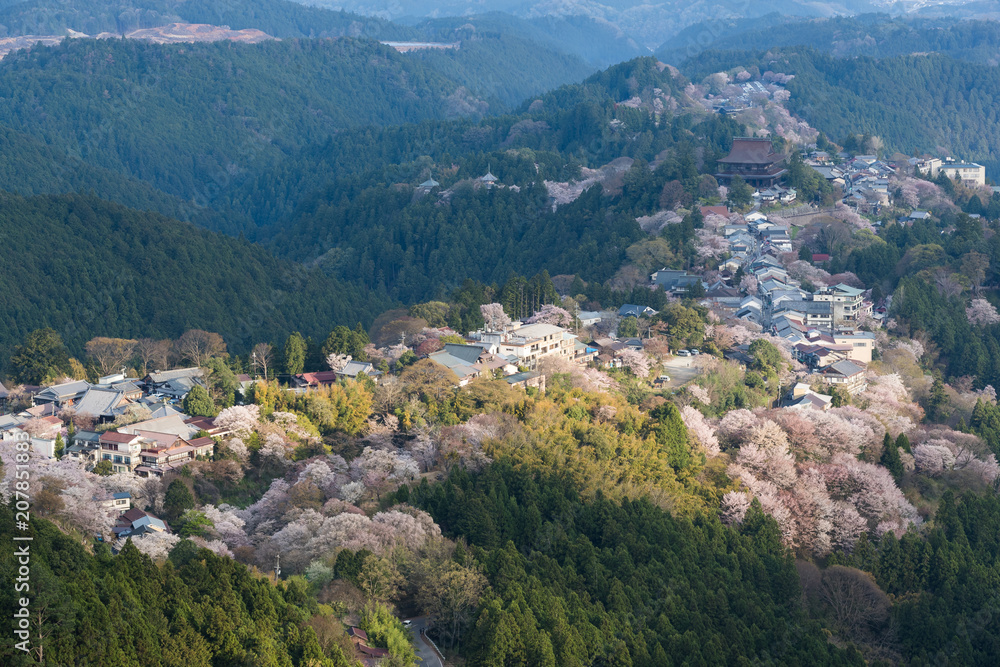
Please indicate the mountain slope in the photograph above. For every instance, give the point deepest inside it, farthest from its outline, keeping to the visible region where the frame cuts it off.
(191, 119)
(86, 267)
(875, 35)
(279, 18)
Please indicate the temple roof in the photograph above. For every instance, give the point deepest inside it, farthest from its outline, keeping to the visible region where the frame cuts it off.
(752, 151)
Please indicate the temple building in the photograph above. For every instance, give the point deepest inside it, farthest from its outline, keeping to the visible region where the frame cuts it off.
(754, 160)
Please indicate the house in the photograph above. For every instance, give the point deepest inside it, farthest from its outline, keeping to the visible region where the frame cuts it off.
(176, 425)
(632, 310)
(754, 160)
(802, 397)
(121, 449)
(118, 502)
(820, 257)
(85, 448)
(817, 314)
(527, 379)
(135, 524)
(355, 368)
(105, 403)
(176, 383)
(163, 452)
(314, 380)
(62, 395)
(462, 360)
(525, 345)
(583, 353)
(589, 318)
(846, 301)
(367, 655)
(4, 395)
(714, 210)
(673, 280)
(845, 375)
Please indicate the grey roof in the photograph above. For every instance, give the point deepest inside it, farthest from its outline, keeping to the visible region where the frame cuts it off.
(845, 368)
(165, 376)
(807, 307)
(99, 402)
(3, 391)
(632, 310)
(521, 377)
(354, 368)
(429, 183)
(468, 353)
(63, 391)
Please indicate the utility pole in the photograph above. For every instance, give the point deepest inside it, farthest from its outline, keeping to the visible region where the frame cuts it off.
(277, 567)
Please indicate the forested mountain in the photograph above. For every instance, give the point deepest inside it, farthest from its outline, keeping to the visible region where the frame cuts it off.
(875, 35)
(86, 267)
(200, 609)
(577, 582)
(597, 42)
(915, 104)
(278, 18)
(429, 244)
(193, 119)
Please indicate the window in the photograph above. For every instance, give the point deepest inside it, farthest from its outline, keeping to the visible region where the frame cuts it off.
(118, 459)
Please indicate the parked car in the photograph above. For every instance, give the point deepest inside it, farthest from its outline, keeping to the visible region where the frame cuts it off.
(695, 351)
(683, 353)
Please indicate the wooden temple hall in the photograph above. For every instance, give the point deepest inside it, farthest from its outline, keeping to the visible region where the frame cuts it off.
(754, 160)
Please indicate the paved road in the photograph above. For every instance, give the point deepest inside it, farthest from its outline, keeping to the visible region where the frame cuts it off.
(425, 651)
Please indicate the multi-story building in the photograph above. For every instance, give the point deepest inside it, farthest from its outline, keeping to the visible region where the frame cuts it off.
(969, 173)
(122, 450)
(533, 342)
(846, 302)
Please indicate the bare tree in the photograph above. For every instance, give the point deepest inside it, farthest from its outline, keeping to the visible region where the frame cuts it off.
(199, 346)
(110, 354)
(858, 605)
(262, 356)
(151, 352)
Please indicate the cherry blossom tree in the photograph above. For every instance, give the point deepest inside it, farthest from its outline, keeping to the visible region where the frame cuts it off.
(494, 316)
(337, 362)
(156, 545)
(981, 312)
(734, 507)
(699, 428)
(550, 314)
(239, 419)
(635, 361)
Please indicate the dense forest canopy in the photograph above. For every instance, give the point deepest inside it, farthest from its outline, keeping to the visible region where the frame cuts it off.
(874, 35)
(86, 267)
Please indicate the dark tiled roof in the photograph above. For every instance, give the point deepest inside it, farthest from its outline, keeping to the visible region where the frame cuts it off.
(752, 151)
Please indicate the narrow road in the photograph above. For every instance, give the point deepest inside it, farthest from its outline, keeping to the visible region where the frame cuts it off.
(425, 651)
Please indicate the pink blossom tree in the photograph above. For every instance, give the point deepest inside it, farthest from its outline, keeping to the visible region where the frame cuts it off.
(494, 316)
(550, 314)
(981, 312)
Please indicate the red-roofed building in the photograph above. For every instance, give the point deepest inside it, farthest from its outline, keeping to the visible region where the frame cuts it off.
(315, 380)
(714, 210)
(820, 257)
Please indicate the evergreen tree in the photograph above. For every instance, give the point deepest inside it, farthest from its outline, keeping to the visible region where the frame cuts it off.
(890, 458)
(177, 500)
(42, 358)
(198, 402)
(295, 353)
